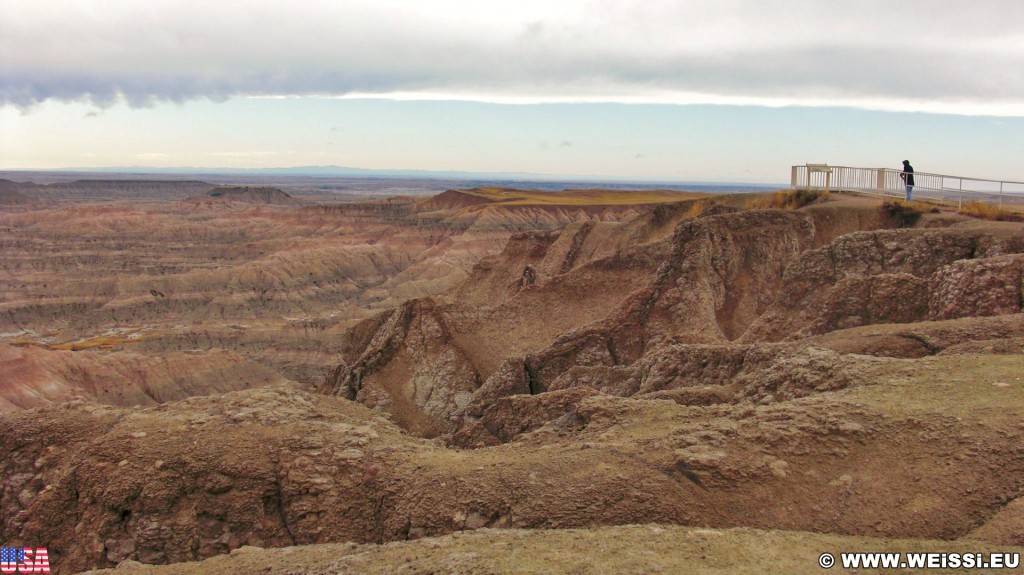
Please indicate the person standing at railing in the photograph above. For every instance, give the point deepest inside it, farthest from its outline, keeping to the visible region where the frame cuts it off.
(908, 179)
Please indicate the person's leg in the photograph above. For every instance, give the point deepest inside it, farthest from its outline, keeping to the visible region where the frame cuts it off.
(910, 193)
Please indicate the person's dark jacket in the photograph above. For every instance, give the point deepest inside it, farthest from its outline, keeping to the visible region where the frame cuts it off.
(908, 174)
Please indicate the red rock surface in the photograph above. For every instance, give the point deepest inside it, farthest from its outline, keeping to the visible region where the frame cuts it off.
(819, 373)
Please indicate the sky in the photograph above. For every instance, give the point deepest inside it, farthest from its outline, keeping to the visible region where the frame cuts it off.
(723, 90)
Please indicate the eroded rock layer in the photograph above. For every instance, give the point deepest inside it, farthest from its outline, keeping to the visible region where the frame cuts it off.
(250, 270)
(699, 307)
(818, 376)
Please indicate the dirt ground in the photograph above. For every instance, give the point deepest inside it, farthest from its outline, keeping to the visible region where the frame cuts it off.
(638, 549)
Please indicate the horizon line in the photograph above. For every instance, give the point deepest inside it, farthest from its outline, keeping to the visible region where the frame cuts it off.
(386, 173)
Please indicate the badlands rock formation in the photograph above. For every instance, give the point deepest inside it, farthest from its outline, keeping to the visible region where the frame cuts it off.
(246, 194)
(35, 376)
(706, 301)
(251, 270)
(98, 189)
(11, 198)
(684, 387)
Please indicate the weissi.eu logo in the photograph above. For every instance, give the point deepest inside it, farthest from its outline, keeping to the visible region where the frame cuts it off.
(24, 560)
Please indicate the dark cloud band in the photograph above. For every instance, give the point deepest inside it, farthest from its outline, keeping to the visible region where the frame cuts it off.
(655, 52)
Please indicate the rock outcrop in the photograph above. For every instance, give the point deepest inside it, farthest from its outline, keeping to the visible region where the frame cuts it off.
(37, 377)
(252, 271)
(248, 195)
(279, 467)
(825, 372)
(886, 276)
(11, 198)
(683, 317)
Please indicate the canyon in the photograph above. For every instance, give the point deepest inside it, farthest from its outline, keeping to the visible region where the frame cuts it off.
(494, 379)
(255, 271)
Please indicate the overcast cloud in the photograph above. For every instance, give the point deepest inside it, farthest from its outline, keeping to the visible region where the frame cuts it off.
(944, 56)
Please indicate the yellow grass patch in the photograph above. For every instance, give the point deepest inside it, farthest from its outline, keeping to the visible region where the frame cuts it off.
(988, 211)
(696, 209)
(594, 197)
(905, 213)
(786, 200)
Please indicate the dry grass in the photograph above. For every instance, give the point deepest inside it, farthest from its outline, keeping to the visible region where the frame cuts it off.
(988, 211)
(599, 550)
(21, 342)
(954, 385)
(905, 214)
(786, 200)
(595, 197)
(696, 208)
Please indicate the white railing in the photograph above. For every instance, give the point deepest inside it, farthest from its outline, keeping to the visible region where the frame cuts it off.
(888, 182)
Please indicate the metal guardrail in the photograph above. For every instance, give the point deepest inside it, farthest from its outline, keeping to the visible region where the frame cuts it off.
(889, 182)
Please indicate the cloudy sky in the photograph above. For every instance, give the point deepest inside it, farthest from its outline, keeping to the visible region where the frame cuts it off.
(655, 90)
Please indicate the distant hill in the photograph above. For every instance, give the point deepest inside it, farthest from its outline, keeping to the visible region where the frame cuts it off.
(10, 196)
(459, 178)
(109, 189)
(457, 199)
(249, 195)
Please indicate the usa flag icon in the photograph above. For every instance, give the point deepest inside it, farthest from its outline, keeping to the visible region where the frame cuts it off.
(24, 560)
